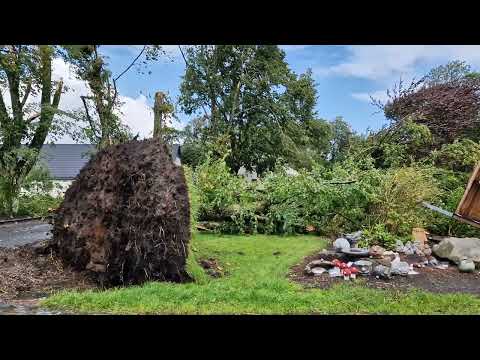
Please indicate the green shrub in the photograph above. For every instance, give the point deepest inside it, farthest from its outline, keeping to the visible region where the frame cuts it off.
(225, 197)
(378, 235)
(37, 204)
(34, 198)
(461, 155)
(346, 197)
(453, 184)
(396, 202)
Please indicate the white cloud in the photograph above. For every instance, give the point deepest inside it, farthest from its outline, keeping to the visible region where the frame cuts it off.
(378, 95)
(294, 47)
(387, 62)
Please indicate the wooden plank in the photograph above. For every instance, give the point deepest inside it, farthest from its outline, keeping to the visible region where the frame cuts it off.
(469, 206)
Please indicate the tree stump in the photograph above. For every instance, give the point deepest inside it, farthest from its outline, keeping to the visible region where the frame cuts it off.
(126, 217)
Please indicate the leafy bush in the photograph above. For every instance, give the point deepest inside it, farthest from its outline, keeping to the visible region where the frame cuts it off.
(225, 197)
(378, 235)
(461, 155)
(453, 185)
(34, 198)
(396, 201)
(345, 197)
(37, 204)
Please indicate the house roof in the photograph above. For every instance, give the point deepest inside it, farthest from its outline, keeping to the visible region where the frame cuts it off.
(64, 161)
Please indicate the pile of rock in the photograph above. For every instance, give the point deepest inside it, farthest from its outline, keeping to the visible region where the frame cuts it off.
(464, 252)
(376, 261)
(413, 248)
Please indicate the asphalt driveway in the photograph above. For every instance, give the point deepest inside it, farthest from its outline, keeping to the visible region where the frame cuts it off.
(22, 233)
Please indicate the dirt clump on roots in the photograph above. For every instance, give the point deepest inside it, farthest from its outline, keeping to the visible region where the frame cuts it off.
(126, 218)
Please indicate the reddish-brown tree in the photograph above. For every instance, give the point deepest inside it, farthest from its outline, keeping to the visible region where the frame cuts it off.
(450, 110)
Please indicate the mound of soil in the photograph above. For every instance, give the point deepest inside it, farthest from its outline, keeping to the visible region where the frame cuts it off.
(126, 217)
(212, 267)
(430, 279)
(25, 273)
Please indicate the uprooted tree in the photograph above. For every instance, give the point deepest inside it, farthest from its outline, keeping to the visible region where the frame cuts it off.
(126, 218)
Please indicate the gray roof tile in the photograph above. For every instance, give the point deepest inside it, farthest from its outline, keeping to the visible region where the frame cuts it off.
(64, 161)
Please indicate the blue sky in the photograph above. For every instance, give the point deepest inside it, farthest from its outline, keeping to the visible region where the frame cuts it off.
(345, 77)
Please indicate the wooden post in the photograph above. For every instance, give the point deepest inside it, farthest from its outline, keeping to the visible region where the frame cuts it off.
(159, 114)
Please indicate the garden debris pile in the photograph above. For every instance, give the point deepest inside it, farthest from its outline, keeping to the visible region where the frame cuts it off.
(412, 264)
(31, 272)
(126, 217)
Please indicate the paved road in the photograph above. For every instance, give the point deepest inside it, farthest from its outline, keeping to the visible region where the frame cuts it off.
(21, 233)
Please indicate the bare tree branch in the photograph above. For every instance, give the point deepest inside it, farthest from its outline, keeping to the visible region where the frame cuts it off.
(85, 105)
(33, 117)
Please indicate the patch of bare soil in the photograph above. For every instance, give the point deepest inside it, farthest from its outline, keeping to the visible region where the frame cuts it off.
(431, 279)
(28, 273)
(212, 267)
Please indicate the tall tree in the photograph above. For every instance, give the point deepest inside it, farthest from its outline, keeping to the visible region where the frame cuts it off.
(249, 94)
(25, 74)
(102, 106)
(453, 72)
(341, 138)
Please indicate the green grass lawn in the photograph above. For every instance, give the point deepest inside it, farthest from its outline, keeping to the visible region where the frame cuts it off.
(256, 283)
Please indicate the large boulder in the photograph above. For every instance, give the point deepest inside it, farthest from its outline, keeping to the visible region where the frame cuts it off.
(126, 217)
(457, 249)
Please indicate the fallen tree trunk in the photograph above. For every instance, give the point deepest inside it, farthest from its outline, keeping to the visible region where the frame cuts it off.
(126, 217)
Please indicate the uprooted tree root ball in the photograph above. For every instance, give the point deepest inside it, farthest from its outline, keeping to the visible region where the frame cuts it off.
(126, 217)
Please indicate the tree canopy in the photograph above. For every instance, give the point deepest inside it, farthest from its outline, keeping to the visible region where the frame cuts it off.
(248, 94)
(27, 115)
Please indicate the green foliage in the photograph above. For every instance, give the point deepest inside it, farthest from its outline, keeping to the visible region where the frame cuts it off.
(193, 197)
(346, 197)
(37, 205)
(25, 72)
(452, 72)
(34, 196)
(224, 196)
(452, 184)
(401, 145)
(396, 200)
(341, 139)
(378, 235)
(12, 178)
(461, 155)
(252, 98)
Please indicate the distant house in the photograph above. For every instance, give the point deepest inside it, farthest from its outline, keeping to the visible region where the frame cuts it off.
(64, 161)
